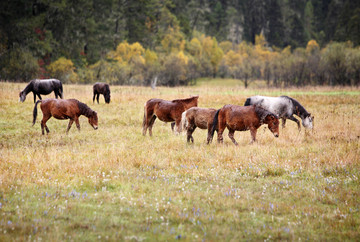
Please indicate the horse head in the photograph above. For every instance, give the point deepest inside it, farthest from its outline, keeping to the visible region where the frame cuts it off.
(273, 124)
(22, 96)
(307, 122)
(93, 120)
(107, 97)
(194, 101)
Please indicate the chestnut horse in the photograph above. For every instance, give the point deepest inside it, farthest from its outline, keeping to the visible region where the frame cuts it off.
(197, 117)
(166, 111)
(64, 109)
(238, 118)
(101, 88)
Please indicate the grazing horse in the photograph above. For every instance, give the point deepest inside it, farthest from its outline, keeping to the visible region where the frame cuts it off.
(166, 111)
(238, 118)
(197, 117)
(101, 88)
(64, 109)
(44, 86)
(285, 107)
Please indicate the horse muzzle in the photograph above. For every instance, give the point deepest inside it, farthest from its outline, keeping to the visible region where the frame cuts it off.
(95, 127)
(276, 135)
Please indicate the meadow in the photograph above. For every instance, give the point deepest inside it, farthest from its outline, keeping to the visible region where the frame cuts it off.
(115, 184)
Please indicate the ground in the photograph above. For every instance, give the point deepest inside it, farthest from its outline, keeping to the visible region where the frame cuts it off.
(113, 183)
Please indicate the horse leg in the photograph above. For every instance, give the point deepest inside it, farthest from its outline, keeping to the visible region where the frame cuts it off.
(56, 94)
(178, 126)
(283, 122)
(34, 97)
(220, 138)
(231, 136)
(172, 126)
(69, 125)
(39, 96)
(209, 138)
(77, 123)
(190, 130)
(94, 97)
(253, 132)
(296, 121)
(97, 97)
(151, 123)
(43, 124)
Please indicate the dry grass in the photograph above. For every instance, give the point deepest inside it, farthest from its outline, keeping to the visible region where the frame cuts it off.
(115, 184)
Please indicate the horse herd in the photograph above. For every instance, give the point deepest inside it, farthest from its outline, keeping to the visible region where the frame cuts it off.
(182, 113)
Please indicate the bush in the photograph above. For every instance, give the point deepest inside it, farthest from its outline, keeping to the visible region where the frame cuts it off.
(63, 69)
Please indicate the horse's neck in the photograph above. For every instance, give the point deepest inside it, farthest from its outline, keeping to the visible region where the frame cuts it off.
(84, 109)
(300, 110)
(86, 112)
(29, 88)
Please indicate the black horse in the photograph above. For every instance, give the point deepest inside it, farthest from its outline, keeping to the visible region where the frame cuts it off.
(101, 88)
(45, 87)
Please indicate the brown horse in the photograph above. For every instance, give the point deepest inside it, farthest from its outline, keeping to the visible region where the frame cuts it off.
(101, 88)
(64, 109)
(166, 111)
(238, 118)
(197, 117)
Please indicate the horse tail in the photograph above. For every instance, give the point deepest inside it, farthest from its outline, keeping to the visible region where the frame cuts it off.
(184, 122)
(215, 123)
(247, 102)
(35, 112)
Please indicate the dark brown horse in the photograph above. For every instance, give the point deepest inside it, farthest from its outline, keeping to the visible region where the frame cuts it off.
(238, 118)
(64, 109)
(197, 117)
(101, 88)
(166, 111)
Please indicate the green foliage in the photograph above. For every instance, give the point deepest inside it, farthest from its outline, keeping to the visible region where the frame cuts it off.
(87, 32)
(18, 64)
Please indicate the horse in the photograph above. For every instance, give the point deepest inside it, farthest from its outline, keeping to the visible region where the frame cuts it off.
(242, 118)
(166, 111)
(101, 88)
(285, 107)
(64, 109)
(44, 87)
(197, 117)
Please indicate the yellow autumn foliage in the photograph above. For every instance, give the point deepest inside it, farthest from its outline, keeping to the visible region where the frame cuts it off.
(63, 69)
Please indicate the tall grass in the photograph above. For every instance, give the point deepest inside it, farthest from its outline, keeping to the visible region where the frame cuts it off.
(115, 184)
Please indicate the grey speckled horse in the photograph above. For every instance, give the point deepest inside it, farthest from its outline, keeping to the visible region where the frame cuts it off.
(44, 87)
(285, 107)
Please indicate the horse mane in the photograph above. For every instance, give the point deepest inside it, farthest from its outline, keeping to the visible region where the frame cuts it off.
(263, 113)
(84, 109)
(29, 86)
(186, 100)
(299, 109)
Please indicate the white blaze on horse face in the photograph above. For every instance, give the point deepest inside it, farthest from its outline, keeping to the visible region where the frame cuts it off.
(307, 122)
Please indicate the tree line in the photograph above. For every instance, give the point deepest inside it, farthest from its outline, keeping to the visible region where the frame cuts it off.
(175, 42)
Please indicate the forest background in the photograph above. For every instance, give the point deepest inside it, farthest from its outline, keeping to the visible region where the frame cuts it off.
(176, 42)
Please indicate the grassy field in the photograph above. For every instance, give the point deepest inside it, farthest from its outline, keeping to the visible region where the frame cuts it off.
(115, 184)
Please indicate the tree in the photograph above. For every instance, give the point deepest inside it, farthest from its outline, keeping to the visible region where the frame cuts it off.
(18, 64)
(213, 52)
(63, 69)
